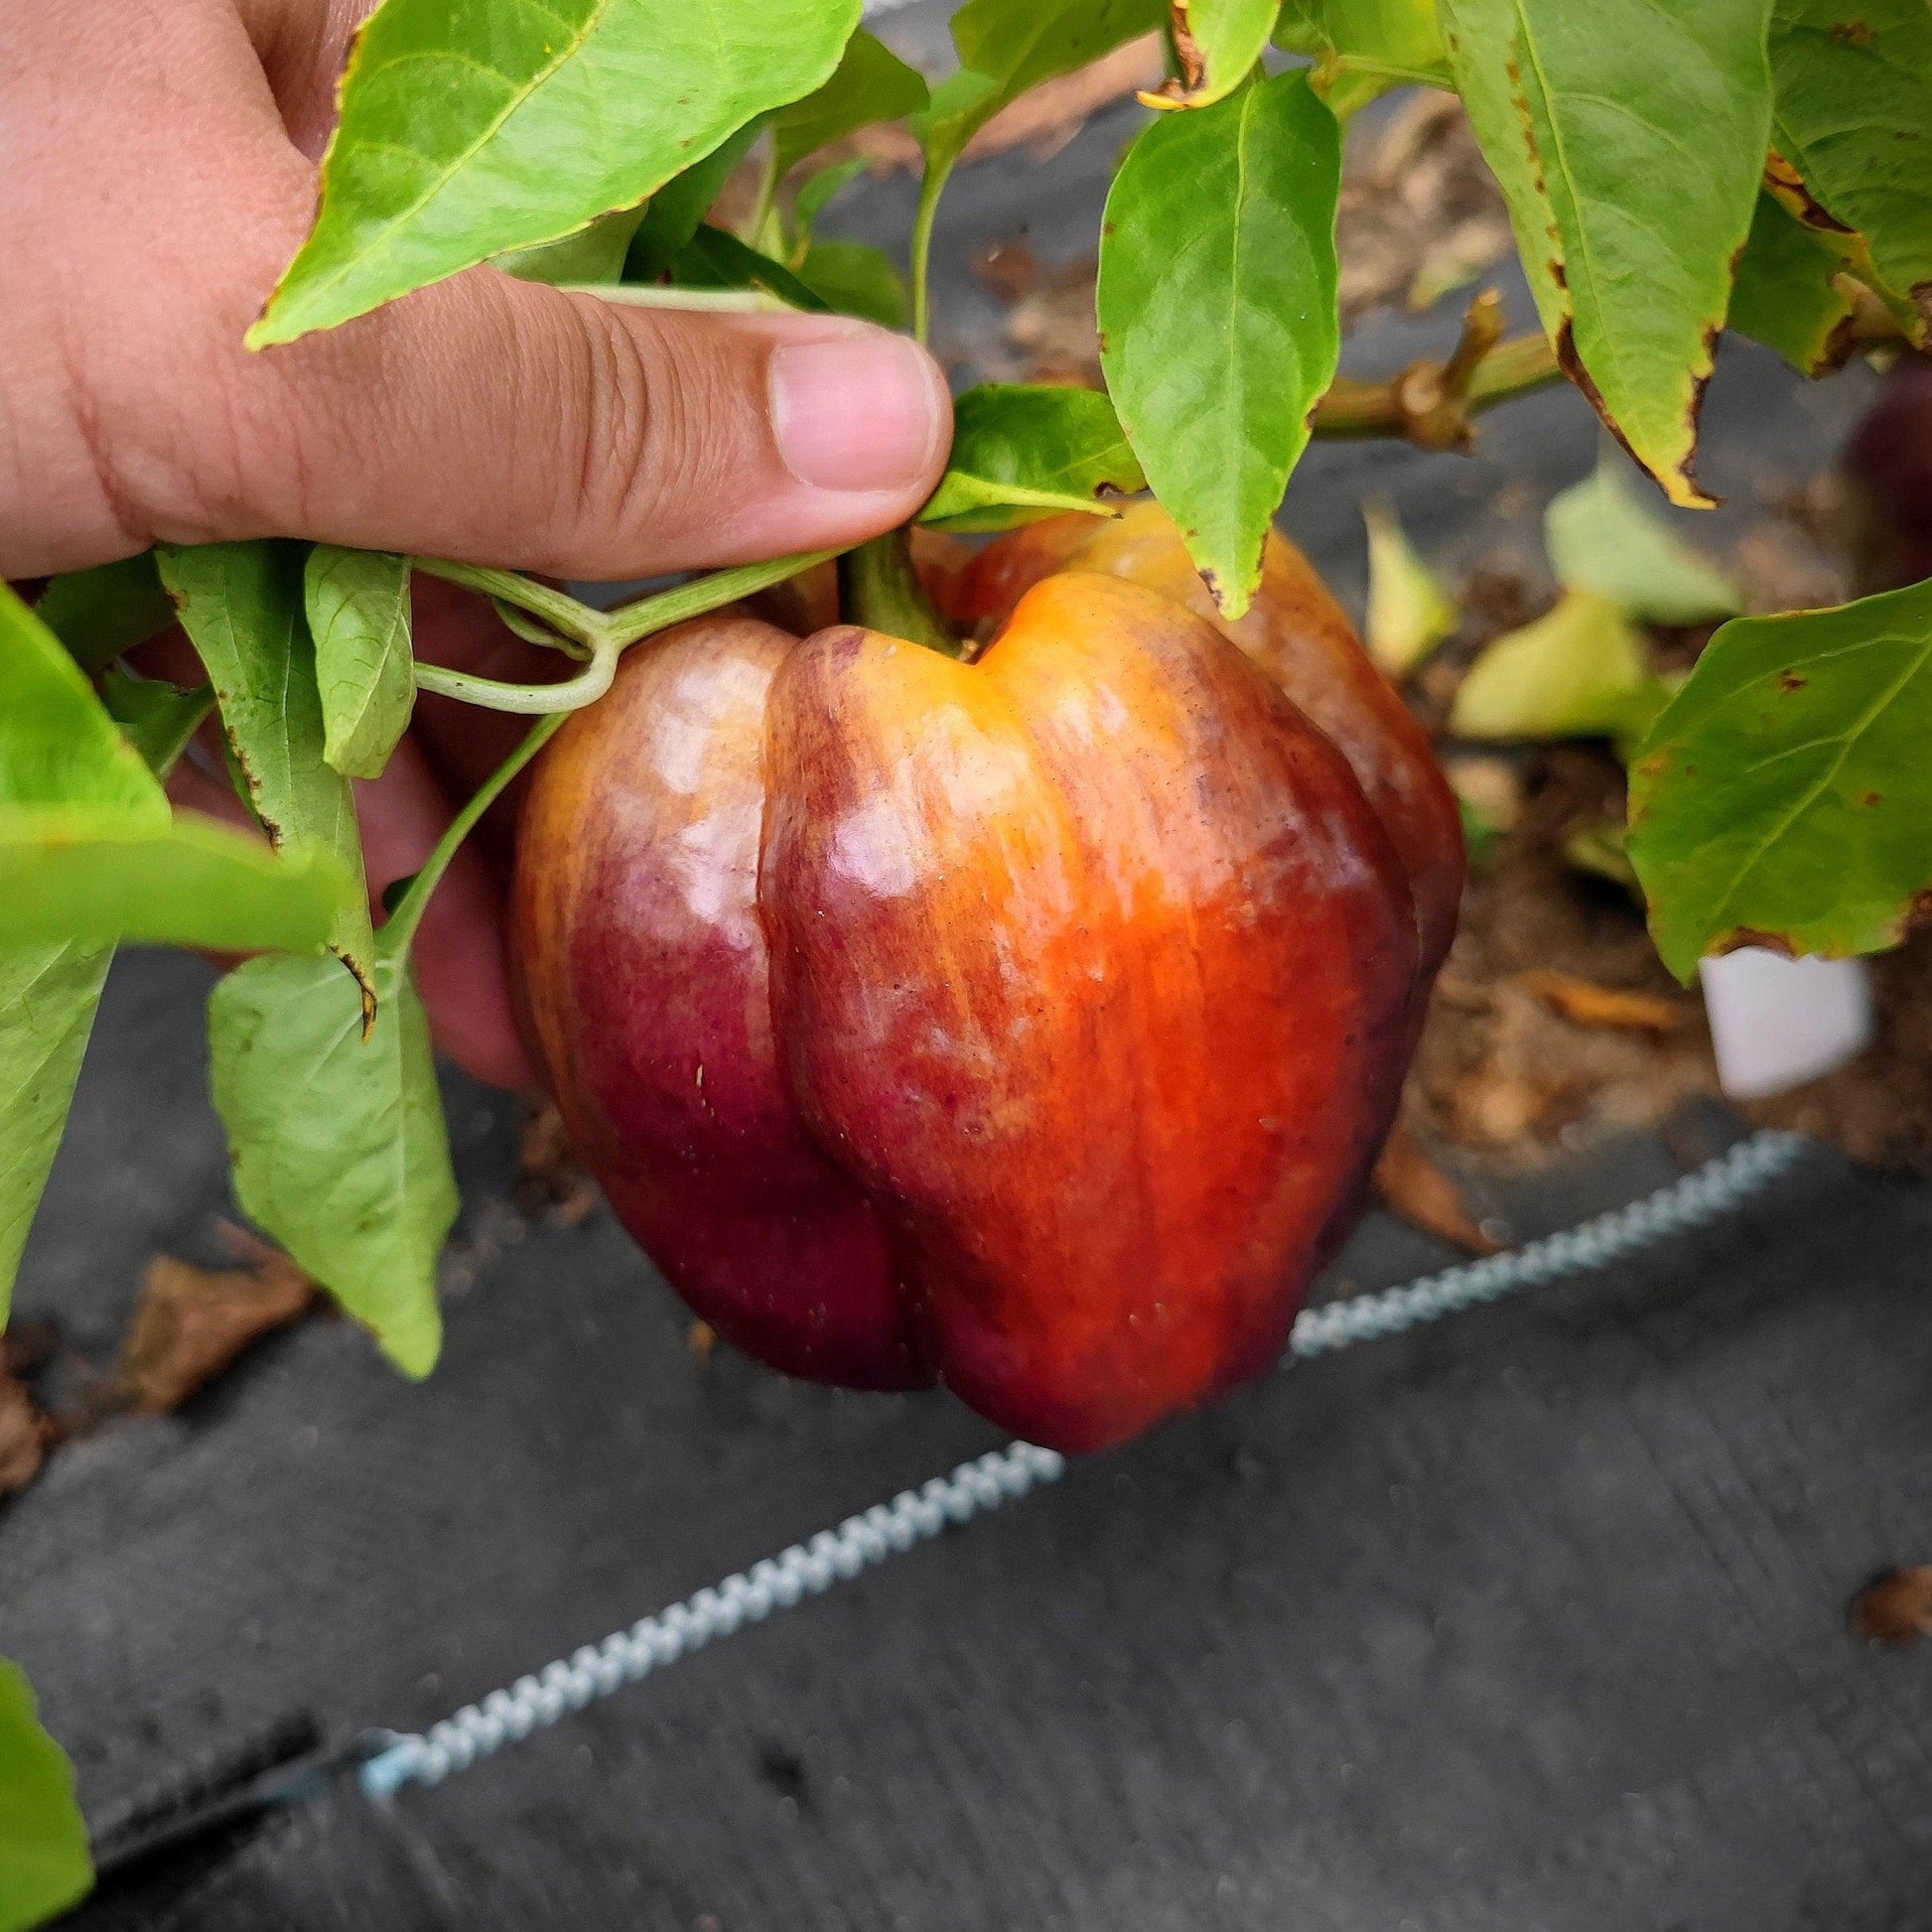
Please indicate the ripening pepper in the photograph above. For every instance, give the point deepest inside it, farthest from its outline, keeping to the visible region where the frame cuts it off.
(1027, 1024)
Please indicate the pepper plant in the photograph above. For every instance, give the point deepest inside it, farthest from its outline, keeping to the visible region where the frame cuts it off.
(1670, 169)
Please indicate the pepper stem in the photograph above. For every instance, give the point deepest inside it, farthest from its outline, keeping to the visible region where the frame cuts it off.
(880, 589)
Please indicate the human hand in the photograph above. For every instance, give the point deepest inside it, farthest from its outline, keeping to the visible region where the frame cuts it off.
(161, 171)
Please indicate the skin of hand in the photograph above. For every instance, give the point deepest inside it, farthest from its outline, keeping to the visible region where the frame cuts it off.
(161, 163)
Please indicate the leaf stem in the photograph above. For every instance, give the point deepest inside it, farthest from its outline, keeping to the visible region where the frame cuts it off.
(878, 587)
(400, 929)
(558, 608)
(931, 184)
(565, 695)
(659, 612)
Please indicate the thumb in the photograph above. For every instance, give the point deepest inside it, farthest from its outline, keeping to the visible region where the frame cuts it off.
(498, 421)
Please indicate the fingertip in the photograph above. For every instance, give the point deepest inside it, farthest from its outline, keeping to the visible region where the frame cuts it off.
(863, 410)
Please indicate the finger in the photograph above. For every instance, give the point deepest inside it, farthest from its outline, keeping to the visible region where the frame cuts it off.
(498, 421)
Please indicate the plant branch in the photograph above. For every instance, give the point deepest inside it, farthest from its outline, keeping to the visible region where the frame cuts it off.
(400, 928)
(1433, 403)
(565, 695)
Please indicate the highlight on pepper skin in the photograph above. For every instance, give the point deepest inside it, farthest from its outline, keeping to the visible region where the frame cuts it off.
(1028, 1023)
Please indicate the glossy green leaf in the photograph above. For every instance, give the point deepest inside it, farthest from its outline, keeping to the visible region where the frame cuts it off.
(1006, 48)
(337, 1138)
(1577, 672)
(1629, 137)
(1224, 40)
(869, 84)
(1855, 118)
(855, 279)
(91, 875)
(357, 607)
(48, 998)
(594, 254)
(242, 605)
(672, 216)
(1791, 291)
(59, 747)
(100, 613)
(1785, 797)
(1409, 611)
(57, 744)
(1021, 451)
(1606, 535)
(1217, 350)
(45, 1864)
(157, 718)
(470, 129)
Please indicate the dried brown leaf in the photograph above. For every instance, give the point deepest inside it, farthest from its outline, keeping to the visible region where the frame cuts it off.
(1411, 1185)
(1896, 1610)
(1586, 1004)
(550, 1183)
(24, 1436)
(191, 1322)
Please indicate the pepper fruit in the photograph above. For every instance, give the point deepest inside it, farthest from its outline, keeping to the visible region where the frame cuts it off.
(1027, 1024)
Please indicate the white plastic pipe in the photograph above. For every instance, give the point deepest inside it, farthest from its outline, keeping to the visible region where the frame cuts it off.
(1777, 1022)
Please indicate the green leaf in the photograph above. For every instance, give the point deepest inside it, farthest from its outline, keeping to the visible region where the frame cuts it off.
(1021, 451)
(1409, 611)
(467, 132)
(1573, 673)
(242, 605)
(100, 613)
(157, 718)
(338, 1137)
(57, 744)
(94, 874)
(1855, 118)
(674, 211)
(44, 1864)
(869, 84)
(1006, 48)
(1361, 48)
(1225, 37)
(1219, 326)
(1791, 294)
(1785, 797)
(817, 191)
(717, 259)
(48, 998)
(592, 254)
(358, 608)
(1602, 536)
(855, 279)
(1629, 137)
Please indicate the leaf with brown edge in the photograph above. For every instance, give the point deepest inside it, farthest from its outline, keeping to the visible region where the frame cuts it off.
(1629, 138)
(1853, 122)
(1784, 796)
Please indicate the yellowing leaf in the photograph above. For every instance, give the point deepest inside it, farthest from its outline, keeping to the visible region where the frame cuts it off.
(1220, 41)
(1409, 611)
(1573, 673)
(1606, 537)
